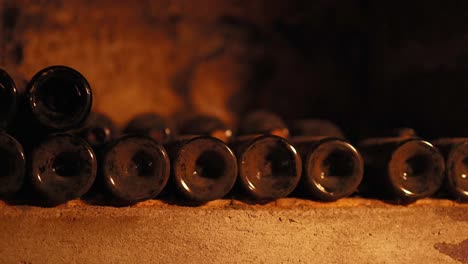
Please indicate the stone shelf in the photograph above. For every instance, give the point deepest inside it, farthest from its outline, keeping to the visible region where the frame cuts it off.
(352, 230)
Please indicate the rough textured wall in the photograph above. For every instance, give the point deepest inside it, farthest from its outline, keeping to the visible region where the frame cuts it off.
(367, 65)
(177, 57)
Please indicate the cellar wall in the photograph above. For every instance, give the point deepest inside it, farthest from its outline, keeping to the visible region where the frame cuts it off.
(385, 63)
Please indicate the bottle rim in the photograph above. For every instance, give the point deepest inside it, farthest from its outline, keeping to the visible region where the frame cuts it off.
(253, 188)
(54, 119)
(315, 160)
(400, 181)
(189, 181)
(155, 180)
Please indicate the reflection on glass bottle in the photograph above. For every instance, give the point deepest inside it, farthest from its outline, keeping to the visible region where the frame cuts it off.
(455, 152)
(401, 168)
(133, 168)
(203, 168)
(12, 165)
(63, 167)
(152, 125)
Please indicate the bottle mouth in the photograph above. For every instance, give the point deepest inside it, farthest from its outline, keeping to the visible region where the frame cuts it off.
(63, 167)
(416, 169)
(143, 164)
(270, 167)
(136, 168)
(457, 169)
(205, 169)
(210, 165)
(60, 97)
(8, 99)
(68, 164)
(334, 169)
(12, 165)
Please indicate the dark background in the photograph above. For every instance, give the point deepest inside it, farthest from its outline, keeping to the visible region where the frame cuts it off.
(367, 65)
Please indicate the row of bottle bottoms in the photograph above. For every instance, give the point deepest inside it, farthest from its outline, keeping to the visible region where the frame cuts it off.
(53, 149)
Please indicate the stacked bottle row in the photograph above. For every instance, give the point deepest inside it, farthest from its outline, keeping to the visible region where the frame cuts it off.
(53, 150)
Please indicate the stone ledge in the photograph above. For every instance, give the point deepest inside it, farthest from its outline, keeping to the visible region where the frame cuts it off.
(352, 230)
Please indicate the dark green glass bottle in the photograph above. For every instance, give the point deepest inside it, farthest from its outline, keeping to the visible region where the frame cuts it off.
(332, 167)
(203, 168)
(269, 167)
(152, 125)
(401, 168)
(455, 152)
(133, 168)
(206, 125)
(62, 167)
(59, 98)
(99, 130)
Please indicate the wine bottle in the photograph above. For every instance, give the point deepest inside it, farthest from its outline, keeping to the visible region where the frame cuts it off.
(455, 152)
(59, 98)
(315, 127)
(402, 168)
(263, 122)
(206, 125)
(133, 168)
(152, 125)
(8, 99)
(99, 130)
(332, 167)
(63, 167)
(12, 165)
(269, 167)
(203, 168)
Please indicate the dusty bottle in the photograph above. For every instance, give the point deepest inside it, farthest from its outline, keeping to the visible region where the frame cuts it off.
(62, 167)
(59, 98)
(152, 125)
(269, 167)
(12, 165)
(455, 152)
(263, 122)
(206, 125)
(8, 99)
(332, 167)
(402, 168)
(133, 168)
(98, 130)
(315, 127)
(203, 168)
